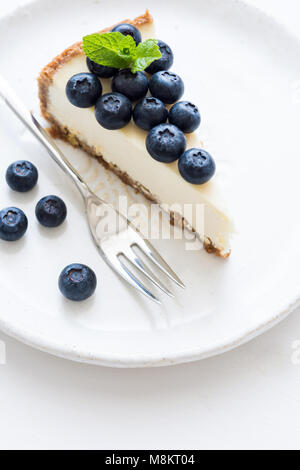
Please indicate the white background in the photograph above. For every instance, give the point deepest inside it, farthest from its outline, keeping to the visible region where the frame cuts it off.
(247, 398)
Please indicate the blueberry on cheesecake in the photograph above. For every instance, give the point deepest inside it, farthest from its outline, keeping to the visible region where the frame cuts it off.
(100, 70)
(185, 115)
(166, 60)
(83, 90)
(196, 166)
(113, 111)
(166, 86)
(166, 143)
(97, 95)
(149, 112)
(132, 85)
(128, 29)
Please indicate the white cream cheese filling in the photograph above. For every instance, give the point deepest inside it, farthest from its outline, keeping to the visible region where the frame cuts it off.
(126, 149)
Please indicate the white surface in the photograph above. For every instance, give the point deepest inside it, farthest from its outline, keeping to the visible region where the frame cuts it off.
(242, 94)
(247, 398)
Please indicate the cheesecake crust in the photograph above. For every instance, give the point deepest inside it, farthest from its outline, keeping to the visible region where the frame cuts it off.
(57, 131)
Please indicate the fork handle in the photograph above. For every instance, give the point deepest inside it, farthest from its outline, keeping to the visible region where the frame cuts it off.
(15, 104)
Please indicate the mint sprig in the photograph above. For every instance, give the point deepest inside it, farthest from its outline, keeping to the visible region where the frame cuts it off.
(119, 51)
(145, 53)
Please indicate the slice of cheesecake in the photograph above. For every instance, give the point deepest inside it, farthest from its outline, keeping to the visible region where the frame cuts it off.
(199, 207)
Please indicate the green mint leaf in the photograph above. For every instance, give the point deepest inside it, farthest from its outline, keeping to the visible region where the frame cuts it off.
(110, 49)
(119, 51)
(146, 52)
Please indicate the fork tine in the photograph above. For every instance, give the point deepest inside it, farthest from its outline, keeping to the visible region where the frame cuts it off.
(128, 276)
(131, 256)
(149, 250)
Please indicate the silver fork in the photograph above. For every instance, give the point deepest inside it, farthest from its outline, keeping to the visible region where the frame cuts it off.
(124, 247)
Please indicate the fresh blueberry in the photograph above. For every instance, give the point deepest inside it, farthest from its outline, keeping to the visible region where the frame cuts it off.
(166, 143)
(83, 90)
(13, 224)
(149, 112)
(185, 115)
(77, 282)
(166, 60)
(100, 70)
(51, 211)
(196, 166)
(113, 111)
(129, 29)
(132, 85)
(21, 176)
(166, 86)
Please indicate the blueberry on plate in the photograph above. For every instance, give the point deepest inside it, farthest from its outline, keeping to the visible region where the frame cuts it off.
(185, 115)
(13, 224)
(196, 166)
(132, 85)
(51, 211)
(100, 70)
(166, 60)
(129, 29)
(113, 111)
(149, 112)
(165, 143)
(21, 176)
(166, 86)
(77, 282)
(83, 90)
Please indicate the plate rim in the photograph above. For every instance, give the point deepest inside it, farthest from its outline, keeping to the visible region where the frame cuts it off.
(144, 361)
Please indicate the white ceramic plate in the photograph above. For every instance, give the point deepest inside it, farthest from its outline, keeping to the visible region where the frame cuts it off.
(243, 71)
